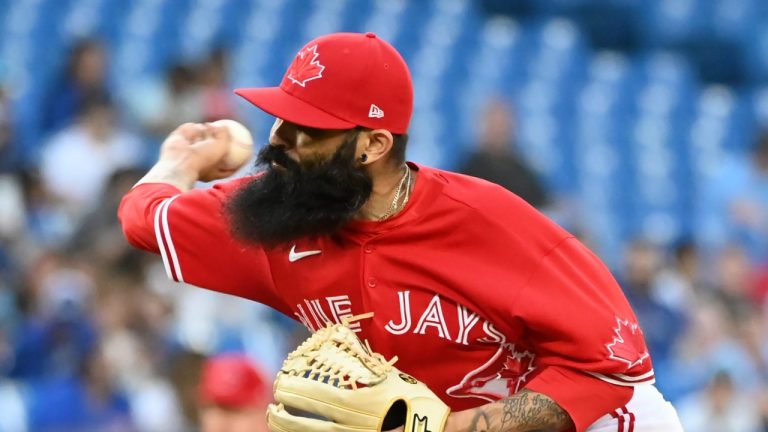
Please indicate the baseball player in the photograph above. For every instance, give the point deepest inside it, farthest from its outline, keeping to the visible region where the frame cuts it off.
(506, 317)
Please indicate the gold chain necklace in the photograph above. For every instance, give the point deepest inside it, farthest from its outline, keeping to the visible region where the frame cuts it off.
(406, 180)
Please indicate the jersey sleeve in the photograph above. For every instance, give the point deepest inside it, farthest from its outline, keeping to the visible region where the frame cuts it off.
(191, 233)
(590, 349)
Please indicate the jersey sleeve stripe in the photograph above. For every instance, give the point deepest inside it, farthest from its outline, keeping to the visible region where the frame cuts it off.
(169, 241)
(635, 378)
(164, 241)
(647, 378)
(159, 236)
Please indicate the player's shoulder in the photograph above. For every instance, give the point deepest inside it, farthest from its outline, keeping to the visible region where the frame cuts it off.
(474, 192)
(497, 212)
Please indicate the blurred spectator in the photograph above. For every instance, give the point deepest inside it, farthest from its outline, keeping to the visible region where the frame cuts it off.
(760, 287)
(721, 407)
(187, 368)
(661, 325)
(677, 282)
(751, 333)
(131, 346)
(734, 206)
(84, 77)
(56, 333)
(205, 321)
(9, 316)
(78, 161)
(99, 235)
(9, 151)
(12, 217)
(700, 352)
(495, 159)
(734, 282)
(94, 403)
(217, 100)
(48, 224)
(161, 107)
(234, 394)
(712, 343)
(726, 331)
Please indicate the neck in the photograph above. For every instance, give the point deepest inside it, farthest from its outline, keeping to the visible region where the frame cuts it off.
(385, 184)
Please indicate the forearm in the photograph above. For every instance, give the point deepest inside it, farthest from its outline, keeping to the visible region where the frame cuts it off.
(172, 173)
(526, 411)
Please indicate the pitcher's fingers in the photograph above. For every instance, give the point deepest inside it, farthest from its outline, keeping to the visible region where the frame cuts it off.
(220, 131)
(191, 131)
(211, 149)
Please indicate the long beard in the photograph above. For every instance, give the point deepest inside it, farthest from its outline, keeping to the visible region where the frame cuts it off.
(310, 199)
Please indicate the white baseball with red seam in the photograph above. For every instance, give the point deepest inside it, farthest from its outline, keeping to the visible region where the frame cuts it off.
(240, 145)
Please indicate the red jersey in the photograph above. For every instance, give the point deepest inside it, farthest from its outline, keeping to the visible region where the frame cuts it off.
(476, 292)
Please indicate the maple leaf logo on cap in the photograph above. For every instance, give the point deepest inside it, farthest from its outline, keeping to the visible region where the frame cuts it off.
(627, 344)
(305, 66)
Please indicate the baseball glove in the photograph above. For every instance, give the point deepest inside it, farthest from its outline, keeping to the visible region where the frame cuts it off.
(336, 377)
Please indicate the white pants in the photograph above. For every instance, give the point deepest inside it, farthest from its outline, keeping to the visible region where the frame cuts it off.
(647, 411)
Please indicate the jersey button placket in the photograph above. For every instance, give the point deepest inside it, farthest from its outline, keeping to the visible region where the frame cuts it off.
(368, 249)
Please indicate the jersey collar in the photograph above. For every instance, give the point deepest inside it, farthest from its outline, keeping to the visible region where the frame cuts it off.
(427, 188)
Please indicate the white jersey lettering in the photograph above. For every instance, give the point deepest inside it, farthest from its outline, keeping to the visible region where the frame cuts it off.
(433, 317)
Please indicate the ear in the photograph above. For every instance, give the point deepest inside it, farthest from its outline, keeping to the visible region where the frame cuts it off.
(375, 144)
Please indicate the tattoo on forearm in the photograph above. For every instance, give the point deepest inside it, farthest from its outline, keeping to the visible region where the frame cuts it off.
(523, 412)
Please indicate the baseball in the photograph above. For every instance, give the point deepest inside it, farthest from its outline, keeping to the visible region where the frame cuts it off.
(240, 145)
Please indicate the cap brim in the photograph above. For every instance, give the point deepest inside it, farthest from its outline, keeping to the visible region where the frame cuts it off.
(275, 101)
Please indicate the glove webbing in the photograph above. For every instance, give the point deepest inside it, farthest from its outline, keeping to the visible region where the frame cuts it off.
(324, 364)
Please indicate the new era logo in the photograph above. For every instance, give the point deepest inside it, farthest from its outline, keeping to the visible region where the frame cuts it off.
(375, 112)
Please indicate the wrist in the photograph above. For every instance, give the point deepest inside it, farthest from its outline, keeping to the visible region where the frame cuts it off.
(174, 173)
(457, 422)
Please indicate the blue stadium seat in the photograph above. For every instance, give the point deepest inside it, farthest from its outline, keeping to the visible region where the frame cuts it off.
(756, 50)
(672, 22)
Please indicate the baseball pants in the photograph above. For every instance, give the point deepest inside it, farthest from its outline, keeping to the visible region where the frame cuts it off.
(647, 411)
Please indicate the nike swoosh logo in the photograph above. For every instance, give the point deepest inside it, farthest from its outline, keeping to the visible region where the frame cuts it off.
(294, 256)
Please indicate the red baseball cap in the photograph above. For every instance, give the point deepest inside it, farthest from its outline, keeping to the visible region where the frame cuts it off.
(340, 81)
(232, 380)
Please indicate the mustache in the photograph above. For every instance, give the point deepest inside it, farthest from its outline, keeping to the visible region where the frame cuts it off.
(277, 154)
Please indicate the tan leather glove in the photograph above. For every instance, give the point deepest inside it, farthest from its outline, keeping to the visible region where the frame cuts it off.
(335, 376)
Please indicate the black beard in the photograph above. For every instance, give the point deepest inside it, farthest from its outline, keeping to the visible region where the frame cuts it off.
(310, 199)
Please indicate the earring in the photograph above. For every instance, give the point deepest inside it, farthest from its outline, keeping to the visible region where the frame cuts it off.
(363, 157)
